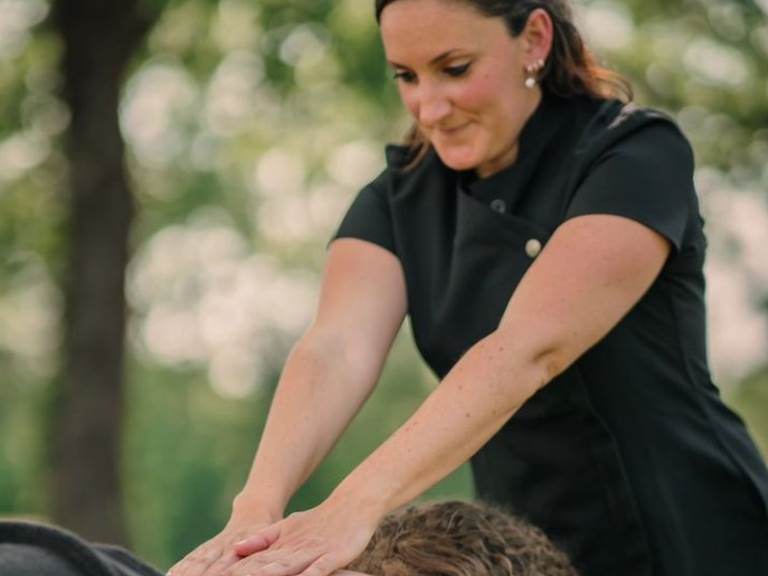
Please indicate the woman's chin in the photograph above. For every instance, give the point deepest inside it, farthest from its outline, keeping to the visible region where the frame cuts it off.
(457, 159)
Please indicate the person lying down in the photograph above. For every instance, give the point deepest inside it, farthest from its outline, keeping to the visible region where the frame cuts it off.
(451, 538)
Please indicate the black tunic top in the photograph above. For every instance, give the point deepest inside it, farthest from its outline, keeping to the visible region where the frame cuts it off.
(629, 459)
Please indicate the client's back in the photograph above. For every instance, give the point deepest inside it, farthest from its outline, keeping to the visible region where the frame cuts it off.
(459, 539)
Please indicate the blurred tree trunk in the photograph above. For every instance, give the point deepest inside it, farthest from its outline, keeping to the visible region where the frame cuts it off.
(99, 37)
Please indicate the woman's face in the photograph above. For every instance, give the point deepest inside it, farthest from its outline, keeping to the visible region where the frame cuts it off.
(461, 76)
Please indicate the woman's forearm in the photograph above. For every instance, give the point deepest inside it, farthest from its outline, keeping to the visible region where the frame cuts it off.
(320, 391)
(475, 399)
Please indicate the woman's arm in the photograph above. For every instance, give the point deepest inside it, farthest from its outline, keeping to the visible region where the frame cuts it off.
(327, 377)
(592, 272)
(331, 370)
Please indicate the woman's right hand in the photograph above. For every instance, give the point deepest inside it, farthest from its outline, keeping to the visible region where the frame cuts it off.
(213, 557)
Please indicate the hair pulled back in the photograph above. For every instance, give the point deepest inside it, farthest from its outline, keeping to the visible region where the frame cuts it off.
(571, 68)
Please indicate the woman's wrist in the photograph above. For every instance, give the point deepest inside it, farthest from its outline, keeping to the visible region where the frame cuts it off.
(251, 506)
(367, 498)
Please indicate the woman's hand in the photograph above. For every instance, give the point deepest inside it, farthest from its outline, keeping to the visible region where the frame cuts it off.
(215, 556)
(317, 542)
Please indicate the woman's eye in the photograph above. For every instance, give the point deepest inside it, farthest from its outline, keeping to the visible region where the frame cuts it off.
(456, 71)
(405, 76)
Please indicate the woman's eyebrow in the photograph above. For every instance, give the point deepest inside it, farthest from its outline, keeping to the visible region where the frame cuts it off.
(435, 61)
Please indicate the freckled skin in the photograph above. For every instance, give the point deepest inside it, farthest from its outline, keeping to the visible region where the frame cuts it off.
(472, 120)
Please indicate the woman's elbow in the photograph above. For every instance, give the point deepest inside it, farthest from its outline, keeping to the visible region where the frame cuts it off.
(542, 361)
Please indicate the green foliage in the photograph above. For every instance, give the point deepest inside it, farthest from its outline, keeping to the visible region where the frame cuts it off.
(186, 453)
(750, 399)
(22, 442)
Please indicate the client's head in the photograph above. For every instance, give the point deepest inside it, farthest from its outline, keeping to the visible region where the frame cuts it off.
(459, 539)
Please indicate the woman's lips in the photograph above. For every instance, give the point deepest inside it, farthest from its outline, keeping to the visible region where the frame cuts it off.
(451, 131)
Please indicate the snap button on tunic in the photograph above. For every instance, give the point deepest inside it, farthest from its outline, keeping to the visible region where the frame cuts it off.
(498, 205)
(533, 247)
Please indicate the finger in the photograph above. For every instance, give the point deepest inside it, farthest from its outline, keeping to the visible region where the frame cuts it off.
(262, 540)
(320, 567)
(271, 569)
(196, 563)
(193, 566)
(271, 566)
(218, 567)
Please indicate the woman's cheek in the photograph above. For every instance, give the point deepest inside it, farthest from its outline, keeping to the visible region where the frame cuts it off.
(477, 93)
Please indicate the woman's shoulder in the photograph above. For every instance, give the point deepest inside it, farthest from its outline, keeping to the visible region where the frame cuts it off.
(616, 120)
(617, 127)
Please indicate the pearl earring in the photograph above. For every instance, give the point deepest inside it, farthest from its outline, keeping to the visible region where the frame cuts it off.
(532, 70)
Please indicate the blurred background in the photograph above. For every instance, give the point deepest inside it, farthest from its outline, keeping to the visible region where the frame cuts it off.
(170, 174)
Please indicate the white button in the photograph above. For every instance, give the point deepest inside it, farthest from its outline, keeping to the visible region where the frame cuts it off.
(533, 247)
(498, 205)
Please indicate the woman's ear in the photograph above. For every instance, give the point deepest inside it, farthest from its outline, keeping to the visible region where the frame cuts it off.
(537, 35)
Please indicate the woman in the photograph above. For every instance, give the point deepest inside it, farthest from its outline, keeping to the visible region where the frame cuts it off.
(545, 239)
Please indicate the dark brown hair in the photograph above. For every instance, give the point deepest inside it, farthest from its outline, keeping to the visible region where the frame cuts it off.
(571, 68)
(459, 539)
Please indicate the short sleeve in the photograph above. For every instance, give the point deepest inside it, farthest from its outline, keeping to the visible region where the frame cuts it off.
(369, 216)
(646, 176)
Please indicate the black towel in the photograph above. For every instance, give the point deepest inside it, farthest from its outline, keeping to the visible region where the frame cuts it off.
(28, 549)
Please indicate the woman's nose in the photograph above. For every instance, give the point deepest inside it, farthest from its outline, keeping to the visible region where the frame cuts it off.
(433, 107)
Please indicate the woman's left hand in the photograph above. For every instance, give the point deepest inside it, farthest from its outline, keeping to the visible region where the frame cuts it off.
(316, 542)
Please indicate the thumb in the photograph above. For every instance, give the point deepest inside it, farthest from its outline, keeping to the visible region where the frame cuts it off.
(262, 540)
